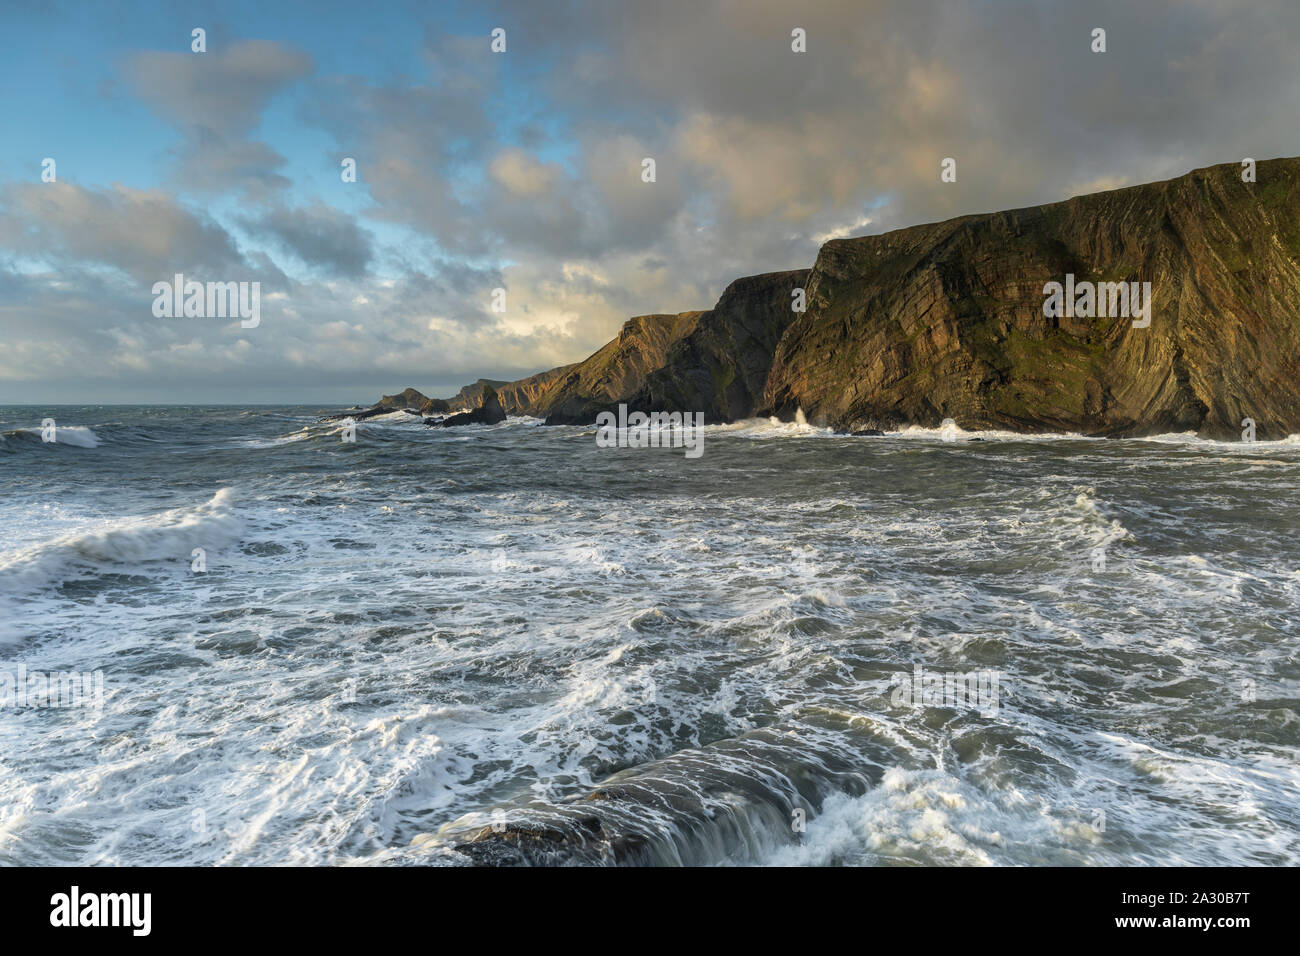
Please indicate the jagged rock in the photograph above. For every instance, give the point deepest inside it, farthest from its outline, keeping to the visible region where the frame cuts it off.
(472, 396)
(720, 368)
(435, 406)
(528, 396)
(489, 413)
(715, 362)
(617, 370)
(408, 400)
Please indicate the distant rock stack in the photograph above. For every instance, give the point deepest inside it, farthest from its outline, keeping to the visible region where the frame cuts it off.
(408, 400)
(489, 412)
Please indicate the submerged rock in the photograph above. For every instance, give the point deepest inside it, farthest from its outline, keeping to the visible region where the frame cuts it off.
(734, 799)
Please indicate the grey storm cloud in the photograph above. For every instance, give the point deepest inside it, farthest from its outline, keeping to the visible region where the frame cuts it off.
(321, 236)
(216, 100)
(762, 152)
(145, 233)
(1009, 88)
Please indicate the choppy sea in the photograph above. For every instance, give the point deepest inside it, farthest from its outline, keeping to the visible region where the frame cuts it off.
(506, 644)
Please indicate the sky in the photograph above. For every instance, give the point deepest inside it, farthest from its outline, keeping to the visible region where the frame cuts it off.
(522, 170)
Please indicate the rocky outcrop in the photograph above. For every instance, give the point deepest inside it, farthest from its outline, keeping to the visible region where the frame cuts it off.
(721, 367)
(947, 320)
(715, 362)
(617, 370)
(730, 801)
(434, 406)
(489, 412)
(472, 396)
(528, 396)
(408, 400)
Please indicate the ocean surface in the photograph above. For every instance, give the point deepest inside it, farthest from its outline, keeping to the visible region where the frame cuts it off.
(509, 640)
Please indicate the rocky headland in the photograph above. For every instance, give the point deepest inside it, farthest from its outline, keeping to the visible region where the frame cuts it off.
(948, 320)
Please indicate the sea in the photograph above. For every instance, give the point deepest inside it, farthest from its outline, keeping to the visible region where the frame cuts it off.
(298, 641)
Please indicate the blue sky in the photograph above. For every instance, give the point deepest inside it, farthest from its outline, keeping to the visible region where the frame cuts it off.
(521, 170)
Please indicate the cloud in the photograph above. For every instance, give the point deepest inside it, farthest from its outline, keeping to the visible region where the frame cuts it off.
(523, 175)
(145, 233)
(419, 146)
(216, 100)
(320, 236)
(523, 170)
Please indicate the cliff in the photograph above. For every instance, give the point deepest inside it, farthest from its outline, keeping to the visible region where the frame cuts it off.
(528, 395)
(947, 320)
(721, 367)
(615, 371)
(472, 396)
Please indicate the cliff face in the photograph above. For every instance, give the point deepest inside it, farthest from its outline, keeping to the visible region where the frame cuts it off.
(721, 367)
(947, 321)
(715, 362)
(472, 396)
(614, 372)
(528, 395)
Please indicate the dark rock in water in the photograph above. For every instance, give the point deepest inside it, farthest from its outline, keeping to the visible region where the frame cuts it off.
(408, 400)
(514, 844)
(489, 413)
(360, 414)
(435, 406)
(867, 433)
(731, 800)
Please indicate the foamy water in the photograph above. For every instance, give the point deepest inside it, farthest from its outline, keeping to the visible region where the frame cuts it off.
(395, 644)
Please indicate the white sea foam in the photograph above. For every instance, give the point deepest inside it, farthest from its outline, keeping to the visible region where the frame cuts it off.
(411, 638)
(169, 535)
(401, 415)
(78, 436)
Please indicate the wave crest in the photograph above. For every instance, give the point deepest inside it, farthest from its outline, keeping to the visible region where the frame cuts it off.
(168, 535)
